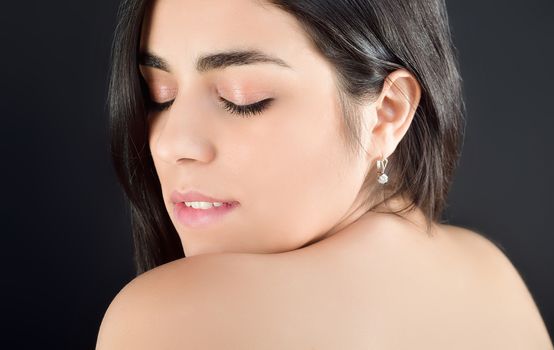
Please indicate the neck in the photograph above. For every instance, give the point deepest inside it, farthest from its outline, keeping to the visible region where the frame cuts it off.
(364, 212)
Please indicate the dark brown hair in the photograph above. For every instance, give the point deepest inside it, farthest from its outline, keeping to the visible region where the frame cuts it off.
(365, 40)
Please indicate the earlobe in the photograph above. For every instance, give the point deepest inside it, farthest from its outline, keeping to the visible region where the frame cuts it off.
(395, 109)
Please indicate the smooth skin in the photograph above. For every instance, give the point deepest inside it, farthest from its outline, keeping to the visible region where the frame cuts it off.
(249, 281)
(379, 285)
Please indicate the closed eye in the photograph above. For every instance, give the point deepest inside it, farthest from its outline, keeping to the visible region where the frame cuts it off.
(159, 107)
(242, 110)
(246, 110)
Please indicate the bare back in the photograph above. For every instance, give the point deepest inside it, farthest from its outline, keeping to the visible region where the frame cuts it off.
(388, 289)
(376, 285)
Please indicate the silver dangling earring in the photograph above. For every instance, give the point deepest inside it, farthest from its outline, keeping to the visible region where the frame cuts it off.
(381, 165)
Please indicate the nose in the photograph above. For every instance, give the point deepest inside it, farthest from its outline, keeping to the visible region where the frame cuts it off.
(182, 133)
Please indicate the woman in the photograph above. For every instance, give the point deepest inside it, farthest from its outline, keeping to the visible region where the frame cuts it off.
(299, 154)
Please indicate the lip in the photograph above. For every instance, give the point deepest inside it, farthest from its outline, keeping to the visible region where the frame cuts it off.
(195, 196)
(199, 218)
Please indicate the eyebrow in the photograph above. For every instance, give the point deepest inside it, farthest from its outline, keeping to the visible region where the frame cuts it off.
(218, 60)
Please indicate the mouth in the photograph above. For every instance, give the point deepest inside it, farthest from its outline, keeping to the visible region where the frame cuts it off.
(192, 217)
(194, 209)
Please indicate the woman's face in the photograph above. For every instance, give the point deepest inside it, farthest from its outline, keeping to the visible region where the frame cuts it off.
(287, 166)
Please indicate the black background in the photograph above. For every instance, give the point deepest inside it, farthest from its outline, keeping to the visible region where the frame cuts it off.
(66, 243)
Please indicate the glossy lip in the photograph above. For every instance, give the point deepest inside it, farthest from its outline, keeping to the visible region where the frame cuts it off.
(195, 196)
(200, 218)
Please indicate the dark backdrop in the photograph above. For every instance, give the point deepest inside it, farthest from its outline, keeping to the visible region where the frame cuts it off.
(66, 240)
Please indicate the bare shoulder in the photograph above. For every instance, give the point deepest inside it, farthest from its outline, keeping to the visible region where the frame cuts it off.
(493, 263)
(509, 305)
(184, 302)
(458, 290)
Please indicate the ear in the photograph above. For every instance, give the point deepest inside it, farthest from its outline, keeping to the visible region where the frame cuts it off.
(395, 108)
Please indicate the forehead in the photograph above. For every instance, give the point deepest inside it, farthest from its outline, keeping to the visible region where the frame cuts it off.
(180, 30)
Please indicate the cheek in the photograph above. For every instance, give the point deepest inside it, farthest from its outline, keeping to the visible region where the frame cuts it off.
(295, 170)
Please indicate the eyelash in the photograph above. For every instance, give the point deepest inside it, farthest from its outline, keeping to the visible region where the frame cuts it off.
(241, 110)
